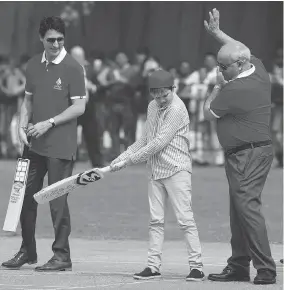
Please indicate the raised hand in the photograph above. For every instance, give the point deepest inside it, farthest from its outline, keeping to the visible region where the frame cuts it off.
(213, 26)
(220, 79)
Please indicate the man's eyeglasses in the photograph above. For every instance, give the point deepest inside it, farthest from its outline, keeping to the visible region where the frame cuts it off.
(53, 39)
(225, 67)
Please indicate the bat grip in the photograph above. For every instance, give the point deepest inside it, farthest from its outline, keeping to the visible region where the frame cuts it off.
(108, 168)
(26, 149)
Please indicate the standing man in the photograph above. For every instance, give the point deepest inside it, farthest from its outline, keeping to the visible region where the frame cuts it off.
(165, 146)
(241, 103)
(54, 99)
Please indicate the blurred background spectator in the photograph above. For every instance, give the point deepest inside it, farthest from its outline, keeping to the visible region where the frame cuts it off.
(119, 44)
(121, 103)
(12, 86)
(276, 77)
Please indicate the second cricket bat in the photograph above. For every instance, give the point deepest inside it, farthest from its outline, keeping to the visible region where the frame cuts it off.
(17, 193)
(69, 184)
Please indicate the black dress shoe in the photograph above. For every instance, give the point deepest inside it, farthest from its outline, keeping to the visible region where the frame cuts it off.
(54, 265)
(18, 261)
(264, 277)
(228, 274)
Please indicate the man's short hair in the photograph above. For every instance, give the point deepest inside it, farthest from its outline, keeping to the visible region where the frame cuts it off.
(51, 23)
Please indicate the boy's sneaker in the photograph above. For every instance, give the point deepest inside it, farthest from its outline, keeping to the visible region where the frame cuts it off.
(195, 275)
(146, 274)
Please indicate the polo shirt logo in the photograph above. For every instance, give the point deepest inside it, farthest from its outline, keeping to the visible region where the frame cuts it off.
(58, 85)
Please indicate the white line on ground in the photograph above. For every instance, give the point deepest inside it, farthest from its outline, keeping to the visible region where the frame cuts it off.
(16, 285)
(106, 285)
(6, 287)
(139, 262)
(32, 273)
(15, 288)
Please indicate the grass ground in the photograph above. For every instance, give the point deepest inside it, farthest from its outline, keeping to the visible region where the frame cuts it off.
(110, 232)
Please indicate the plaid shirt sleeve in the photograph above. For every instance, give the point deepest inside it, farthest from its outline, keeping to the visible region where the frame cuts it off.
(171, 124)
(140, 143)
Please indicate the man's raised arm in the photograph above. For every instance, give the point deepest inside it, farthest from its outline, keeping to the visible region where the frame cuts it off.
(212, 27)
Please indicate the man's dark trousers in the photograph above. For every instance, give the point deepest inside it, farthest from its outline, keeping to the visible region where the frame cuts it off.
(57, 169)
(246, 172)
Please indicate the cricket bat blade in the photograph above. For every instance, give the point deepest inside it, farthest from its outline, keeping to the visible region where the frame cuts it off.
(69, 184)
(17, 195)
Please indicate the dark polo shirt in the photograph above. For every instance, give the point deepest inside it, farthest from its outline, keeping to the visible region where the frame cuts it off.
(243, 108)
(52, 86)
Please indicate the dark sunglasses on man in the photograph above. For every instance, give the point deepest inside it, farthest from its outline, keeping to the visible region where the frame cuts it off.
(225, 67)
(53, 39)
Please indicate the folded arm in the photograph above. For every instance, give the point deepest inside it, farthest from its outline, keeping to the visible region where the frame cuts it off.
(208, 113)
(220, 83)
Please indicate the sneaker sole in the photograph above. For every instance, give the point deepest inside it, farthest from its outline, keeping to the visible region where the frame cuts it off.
(8, 268)
(18, 268)
(146, 278)
(195, 279)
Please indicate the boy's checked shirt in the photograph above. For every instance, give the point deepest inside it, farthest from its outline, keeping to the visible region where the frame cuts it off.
(164, 143)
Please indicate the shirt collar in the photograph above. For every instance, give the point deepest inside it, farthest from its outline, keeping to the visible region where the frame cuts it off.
(247, 72)
(58, 59)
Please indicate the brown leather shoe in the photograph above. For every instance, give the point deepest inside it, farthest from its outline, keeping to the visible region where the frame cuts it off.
(54, 265)
(18, 261)
(228, 275)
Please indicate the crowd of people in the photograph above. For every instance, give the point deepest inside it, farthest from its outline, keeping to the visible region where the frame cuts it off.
(110, 94)
(118, 99)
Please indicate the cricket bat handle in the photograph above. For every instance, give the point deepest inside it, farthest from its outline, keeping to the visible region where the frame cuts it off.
(25, 152)
(108, 168)
(26, 149)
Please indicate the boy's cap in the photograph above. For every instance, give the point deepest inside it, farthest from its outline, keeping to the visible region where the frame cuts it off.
(160, 79)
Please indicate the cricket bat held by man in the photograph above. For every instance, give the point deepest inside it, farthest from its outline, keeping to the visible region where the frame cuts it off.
(17, 193)
(71, 183)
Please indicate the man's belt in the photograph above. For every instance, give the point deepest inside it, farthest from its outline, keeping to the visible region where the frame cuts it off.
(247, 146)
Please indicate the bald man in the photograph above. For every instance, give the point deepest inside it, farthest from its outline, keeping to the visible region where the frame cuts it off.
(241, 103)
